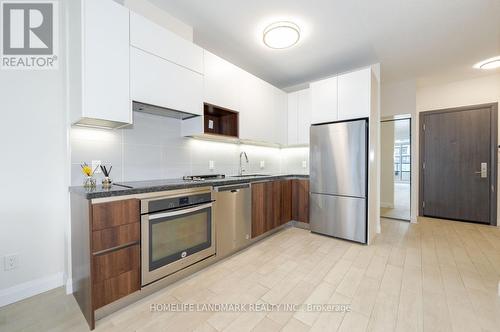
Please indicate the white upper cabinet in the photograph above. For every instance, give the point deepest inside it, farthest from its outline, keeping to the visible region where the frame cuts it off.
(354, 94)
(324, 100)
(223, 82)
(299, 117)
(159, 41)
(261, 106)
(292, 118)
(263, 111)
(162, 83)
(280, 116)
(98, 64)
(303, 116)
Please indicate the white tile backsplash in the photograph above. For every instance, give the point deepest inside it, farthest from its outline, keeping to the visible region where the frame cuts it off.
(153, 148)
(292, 160)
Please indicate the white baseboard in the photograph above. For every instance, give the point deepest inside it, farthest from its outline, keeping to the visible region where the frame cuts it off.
(30, 288)
(69, 286)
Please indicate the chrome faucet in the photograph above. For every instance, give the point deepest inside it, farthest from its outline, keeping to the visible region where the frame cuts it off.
(242, 153)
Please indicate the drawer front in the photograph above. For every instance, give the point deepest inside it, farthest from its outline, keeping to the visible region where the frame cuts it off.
(112, 214)
(115, 288)
(115, 236)
(112, 264)
(159, 82)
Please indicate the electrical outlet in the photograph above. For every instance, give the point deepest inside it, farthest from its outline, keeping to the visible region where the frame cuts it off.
(211, 164)
(11, 262)
(304, 164)
(262, 164)
(95, 166)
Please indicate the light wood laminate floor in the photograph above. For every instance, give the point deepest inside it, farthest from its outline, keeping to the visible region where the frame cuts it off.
(432, 276)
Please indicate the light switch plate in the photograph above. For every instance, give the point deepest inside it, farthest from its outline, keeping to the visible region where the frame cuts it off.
(95, 166)
(211, 164)
(262, 164)
(304, 164)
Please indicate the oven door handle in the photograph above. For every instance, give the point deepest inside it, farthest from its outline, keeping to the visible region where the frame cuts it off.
(179, 212)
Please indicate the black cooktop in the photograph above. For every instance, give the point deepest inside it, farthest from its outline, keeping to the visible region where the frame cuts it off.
(203, 177)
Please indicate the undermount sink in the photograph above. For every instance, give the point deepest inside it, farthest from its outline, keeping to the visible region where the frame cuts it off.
(249, 175)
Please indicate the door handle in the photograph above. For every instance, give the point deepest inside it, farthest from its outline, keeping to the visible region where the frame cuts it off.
(483, 171)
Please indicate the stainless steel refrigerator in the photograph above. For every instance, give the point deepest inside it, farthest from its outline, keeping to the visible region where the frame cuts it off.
(338, 179)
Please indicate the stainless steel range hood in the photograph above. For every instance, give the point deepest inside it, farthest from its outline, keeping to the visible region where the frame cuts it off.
(162, 111)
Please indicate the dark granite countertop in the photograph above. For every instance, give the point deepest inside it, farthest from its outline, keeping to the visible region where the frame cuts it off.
(140, 187)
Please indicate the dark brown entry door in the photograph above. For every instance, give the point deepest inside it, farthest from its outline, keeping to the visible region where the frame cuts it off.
(458, 144)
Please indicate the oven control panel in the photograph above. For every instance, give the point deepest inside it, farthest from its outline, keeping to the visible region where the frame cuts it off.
(178, 202)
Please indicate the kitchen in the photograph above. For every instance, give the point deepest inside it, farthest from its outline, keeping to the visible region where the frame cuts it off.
(189, 223)
(195, 181)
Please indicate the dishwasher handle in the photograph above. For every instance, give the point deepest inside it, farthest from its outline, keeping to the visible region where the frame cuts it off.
(232, 188)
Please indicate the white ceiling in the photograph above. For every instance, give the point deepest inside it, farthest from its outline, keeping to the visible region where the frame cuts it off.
(412, 39)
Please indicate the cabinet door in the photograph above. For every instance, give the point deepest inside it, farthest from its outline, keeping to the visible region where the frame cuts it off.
(354, 94)
(266, 207)
(222, 82)
(324, 100)
(293, 105)
(106, 63)
(162, 83)
(286, 201)
(157, 40)
(274, 189)
(303, 116)
(300, 200)
(279, 125)
(258, 209)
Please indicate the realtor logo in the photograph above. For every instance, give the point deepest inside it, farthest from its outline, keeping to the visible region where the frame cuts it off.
(29, 35)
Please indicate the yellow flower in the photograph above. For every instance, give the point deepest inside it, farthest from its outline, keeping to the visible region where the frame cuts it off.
(87, 170)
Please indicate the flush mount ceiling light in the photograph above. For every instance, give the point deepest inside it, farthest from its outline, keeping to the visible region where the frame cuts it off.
(280, 35)
(490, 63)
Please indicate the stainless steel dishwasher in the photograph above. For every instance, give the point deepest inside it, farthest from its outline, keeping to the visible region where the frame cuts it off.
(233, 218)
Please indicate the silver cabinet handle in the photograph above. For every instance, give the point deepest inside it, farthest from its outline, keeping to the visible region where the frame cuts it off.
(179, 212)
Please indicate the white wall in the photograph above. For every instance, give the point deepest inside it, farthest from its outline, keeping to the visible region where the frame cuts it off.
(387, 164)
(455, 94)
(462, 93)
(398, 98)
(409, 98)
(34, 195)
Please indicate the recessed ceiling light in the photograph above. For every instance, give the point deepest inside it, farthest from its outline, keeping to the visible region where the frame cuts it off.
(280, 35)
(490, 63)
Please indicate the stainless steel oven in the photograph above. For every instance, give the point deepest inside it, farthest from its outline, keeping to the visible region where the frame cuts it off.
(177, 231)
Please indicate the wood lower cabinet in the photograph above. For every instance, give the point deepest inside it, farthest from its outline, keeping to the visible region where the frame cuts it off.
(273, 204)
(106, 252)
(266, 207)
(286, 201)
(300, 200)
(116, 274)
(116, 250)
